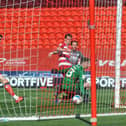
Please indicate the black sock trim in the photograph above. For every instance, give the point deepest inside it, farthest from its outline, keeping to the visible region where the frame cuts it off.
(7, 83)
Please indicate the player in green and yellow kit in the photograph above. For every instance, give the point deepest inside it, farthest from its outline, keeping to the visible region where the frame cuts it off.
(73, 82)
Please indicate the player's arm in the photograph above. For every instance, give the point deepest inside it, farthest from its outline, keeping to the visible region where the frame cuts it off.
(57, 51)
(53, 53)
(83, 83)
(87, 85)
(61, 48)
(80, 56)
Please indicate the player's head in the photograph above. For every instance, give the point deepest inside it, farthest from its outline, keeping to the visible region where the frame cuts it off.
(74, 44)
(85, 62)
(68, 38)
(1, 37)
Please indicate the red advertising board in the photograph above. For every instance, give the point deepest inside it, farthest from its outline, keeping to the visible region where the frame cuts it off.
(38, 60)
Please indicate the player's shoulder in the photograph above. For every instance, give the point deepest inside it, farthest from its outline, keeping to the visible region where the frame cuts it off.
(79, 52)
(80, 67)
(77, 66)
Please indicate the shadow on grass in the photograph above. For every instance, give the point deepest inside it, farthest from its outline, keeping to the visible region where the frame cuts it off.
(82, 119)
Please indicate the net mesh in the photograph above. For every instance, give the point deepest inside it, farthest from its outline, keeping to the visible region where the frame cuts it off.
(33, 28)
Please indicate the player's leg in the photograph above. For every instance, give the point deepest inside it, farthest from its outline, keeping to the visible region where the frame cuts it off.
(59, 94)
(58, 91)
(57, 85)
(87, 92)
(70, 95)
(9, 89)
(86, 96)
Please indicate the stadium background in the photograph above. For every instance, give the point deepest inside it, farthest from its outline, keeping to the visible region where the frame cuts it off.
(32, 29)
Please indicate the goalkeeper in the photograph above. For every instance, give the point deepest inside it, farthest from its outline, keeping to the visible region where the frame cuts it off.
(74, 83)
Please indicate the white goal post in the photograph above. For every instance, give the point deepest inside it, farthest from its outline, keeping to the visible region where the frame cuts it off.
(118, 53)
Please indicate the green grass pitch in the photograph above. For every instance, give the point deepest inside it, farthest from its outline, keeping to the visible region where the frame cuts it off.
(40, 102)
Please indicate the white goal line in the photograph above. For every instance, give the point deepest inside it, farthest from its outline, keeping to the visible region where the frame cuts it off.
(6, 119)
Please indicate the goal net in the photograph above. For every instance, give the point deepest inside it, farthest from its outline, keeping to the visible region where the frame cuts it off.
(31, 29)
(110, 79)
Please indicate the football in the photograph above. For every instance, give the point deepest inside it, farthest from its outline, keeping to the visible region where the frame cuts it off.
(77, 99)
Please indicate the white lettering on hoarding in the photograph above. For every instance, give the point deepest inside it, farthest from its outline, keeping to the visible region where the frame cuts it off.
(43, 81)
(33, 81)
(111, 63)
(13, 82)
(123, 82)
(20, 81)
(2, 60)
(49, 82)
(22, 61)
(27, 80)
(123, 63)
(108, 82)
(30, 82)
(102, 63)
(12, 62)
(103, 82)
(111, 82)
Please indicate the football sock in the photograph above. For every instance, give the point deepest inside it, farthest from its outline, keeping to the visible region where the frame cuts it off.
(9, 89)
